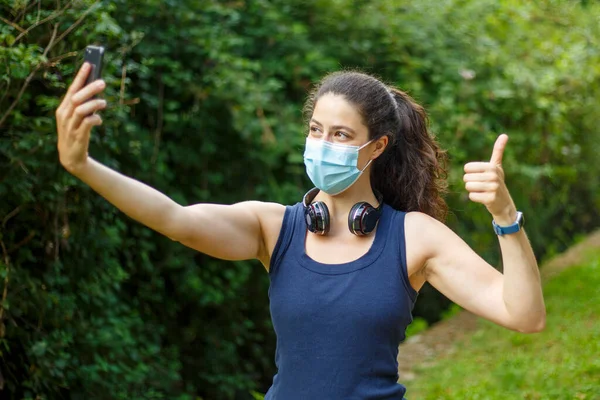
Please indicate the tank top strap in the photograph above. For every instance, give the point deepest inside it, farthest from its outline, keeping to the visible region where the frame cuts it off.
(398, 236)
(291, 226)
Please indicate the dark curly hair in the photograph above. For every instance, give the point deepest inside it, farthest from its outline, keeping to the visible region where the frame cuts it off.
(411, 173)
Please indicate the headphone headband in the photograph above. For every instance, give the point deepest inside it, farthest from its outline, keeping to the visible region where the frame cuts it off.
(310, 196)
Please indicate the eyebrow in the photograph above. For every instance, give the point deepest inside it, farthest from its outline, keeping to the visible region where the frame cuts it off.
(335, 126)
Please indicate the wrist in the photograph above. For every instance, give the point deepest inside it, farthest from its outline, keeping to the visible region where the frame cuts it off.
(507, 217)
(76, 168)
(508, 229)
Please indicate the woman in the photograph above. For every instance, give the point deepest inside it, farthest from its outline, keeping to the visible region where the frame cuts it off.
(347, 262)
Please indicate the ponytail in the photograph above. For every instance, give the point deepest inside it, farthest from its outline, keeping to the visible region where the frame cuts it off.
(411, 172)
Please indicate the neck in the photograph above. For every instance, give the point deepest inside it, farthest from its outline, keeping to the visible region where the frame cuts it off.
(340, 204)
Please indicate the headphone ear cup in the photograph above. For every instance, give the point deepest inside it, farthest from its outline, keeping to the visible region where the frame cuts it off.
(370, 219)
(363, 218)
(355, 218)
(316, 216)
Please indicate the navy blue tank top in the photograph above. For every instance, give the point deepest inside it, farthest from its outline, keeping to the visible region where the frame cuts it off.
(338, 326)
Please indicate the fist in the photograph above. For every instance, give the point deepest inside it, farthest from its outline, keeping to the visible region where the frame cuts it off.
(75, 117)
(485, 183)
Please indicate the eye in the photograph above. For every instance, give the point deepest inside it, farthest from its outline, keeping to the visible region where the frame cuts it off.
(342, 134)
(315, 130)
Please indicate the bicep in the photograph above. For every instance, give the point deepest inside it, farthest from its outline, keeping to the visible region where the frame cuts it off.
(459, 273)
(228, 232)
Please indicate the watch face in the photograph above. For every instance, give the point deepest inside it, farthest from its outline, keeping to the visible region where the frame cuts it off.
(520, 219)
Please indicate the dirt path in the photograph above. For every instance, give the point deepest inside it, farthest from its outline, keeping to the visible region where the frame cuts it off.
(440, 338)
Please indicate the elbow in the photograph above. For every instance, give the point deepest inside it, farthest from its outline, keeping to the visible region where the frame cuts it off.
(174, 225)
(535, 325)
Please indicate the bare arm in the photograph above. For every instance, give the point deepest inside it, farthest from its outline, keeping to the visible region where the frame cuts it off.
(513, 299)
(230, 232)
(233, 232)
(247, 230)
(136, 199)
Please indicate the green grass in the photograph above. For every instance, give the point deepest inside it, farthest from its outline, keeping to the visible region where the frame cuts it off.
(562, 362)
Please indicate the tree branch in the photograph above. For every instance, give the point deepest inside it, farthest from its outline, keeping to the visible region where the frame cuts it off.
(123, 77)
(37, 18)
(79, 21)
(14, 103)
(17, 27)
(10, 215)
(52, 43)
(24, 10)
(48, 18)
(53, 61)
(30, 76)
(23, 242)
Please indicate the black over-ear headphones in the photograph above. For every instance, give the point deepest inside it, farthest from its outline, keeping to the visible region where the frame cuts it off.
(362, 218)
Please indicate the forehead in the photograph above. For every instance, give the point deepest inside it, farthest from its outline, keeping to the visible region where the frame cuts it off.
(333, 109)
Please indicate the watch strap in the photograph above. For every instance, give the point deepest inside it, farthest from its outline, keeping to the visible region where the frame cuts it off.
(507, 230)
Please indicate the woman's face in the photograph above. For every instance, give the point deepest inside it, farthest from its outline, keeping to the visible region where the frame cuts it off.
(337, 121)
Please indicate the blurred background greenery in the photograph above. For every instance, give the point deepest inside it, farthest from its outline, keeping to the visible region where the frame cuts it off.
(205, 100)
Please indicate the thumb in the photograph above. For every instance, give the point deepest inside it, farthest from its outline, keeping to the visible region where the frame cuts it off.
(498, 151)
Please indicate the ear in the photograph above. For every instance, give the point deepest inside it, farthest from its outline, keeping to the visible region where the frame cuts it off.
(380, 145)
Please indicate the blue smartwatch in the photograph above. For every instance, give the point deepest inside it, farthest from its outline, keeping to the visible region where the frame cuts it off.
(514, 228)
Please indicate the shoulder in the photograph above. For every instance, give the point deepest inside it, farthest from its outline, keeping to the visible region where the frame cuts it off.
(263, 207)
(415, 218)
(425, 238)
(270, 217)
(424, 225)
(269, 213)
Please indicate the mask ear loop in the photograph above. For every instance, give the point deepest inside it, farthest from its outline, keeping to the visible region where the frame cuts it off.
(365, 145)
(366, 166)
(371, 160)
(362, 147)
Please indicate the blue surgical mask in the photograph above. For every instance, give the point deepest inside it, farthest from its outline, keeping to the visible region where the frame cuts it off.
(331, 167)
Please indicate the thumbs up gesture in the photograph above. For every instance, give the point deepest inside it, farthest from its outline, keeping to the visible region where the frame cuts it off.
(485, 183)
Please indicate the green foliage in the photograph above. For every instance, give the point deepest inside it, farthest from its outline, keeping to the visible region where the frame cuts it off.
(257, 396)
(453, 310)
(205, 105)
(417, 326)
(560, 362)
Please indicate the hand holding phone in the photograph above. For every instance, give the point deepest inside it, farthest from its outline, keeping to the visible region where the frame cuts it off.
(76, 114)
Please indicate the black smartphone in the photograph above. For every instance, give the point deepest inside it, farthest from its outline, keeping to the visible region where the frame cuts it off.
(94, 55)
